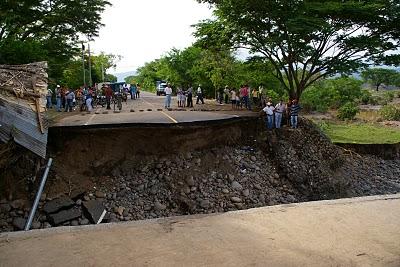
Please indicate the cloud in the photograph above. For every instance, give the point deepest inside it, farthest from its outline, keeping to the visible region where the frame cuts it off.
(142, 31)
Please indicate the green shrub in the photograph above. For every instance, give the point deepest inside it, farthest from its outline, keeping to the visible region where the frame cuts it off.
(348, 89)
(366, 97)
(348, 111)
(331, 93)
(318, 98)
(378, 100)
(390, 113)
(388, 96)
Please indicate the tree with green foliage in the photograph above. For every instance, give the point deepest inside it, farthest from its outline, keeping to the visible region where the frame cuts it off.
(379, 76)
(306, 40)
(331, 93)
(73, 72)
(213, 69)
(47, 30)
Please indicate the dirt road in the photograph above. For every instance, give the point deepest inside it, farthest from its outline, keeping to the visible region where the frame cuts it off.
(348, 232)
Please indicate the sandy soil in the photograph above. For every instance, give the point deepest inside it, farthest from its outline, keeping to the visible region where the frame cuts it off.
(349, 232)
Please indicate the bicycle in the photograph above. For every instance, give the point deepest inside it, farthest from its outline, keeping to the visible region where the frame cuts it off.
(100, 100)
(117, 100)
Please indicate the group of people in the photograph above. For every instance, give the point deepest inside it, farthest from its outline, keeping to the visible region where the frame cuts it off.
(84, 97)
(132, 89)
(65, 98)
(184, 97)
(239, 98)
(242, 97)
(274, 114)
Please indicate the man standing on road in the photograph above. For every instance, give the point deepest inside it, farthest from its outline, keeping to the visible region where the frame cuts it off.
(226, 94)
(88, 102)
(109, 94)
(294, 113)
(48, 98)
(58, 98)
(244, 92)
(199, 95)
(70, 96)
(254, 94)
(279, 110)
(168, 92)
(133, 91)
(137, 90)
(269, 110)
(190, 97)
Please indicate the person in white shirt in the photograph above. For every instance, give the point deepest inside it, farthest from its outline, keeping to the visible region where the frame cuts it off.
(168, 93)
(199, 95)
(280, 108)
(48, 98)
(233, 98)
(269, 110)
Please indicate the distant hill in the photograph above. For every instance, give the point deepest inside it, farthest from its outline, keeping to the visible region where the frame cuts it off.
(122, 75)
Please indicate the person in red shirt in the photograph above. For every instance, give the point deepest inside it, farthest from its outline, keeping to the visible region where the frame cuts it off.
(109, 93)
(244, 92)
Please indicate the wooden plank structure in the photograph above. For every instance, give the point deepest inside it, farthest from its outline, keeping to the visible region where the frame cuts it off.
(23, 90)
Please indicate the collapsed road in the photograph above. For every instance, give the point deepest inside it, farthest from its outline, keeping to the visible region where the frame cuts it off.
(138, 169)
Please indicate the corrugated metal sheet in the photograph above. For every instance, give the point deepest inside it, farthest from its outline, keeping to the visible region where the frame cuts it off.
(18, 110)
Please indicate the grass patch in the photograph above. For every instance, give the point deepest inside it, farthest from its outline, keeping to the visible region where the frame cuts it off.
(361, 133)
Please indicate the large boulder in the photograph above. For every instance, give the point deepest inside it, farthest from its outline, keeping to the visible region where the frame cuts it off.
(65, 216)
(19, 223)
(58, 204)
(94, 211)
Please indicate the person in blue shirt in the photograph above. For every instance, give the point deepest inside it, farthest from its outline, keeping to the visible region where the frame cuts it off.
(133, 91)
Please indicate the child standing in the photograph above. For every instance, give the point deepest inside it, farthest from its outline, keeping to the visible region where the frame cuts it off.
(233, 98)
(238, 102)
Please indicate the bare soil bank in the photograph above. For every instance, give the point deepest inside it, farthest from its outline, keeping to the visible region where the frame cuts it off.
(100, 150)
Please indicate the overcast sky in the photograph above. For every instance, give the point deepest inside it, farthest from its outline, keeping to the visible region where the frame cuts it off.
(143, 30)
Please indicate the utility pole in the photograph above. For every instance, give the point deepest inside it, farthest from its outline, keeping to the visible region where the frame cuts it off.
(102, 71)
(83, 64)
(90, 67)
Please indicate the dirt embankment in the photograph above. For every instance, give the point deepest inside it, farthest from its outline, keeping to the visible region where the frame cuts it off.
(142, 173)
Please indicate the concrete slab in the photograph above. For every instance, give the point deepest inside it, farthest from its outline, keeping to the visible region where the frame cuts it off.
(348, 232)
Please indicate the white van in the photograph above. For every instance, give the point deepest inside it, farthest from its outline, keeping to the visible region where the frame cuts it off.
(160, 90)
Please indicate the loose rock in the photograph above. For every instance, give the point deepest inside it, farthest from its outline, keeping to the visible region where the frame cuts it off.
(19, 223)
(58, 204)
(236, 199)
(236, 186)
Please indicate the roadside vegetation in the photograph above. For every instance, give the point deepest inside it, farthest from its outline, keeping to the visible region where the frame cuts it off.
(376, 121)
(360, 133)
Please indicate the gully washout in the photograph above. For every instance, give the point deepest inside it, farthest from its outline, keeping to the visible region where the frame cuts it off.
(148, 172)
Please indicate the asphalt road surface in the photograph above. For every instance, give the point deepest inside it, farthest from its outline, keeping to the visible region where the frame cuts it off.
(149, 108)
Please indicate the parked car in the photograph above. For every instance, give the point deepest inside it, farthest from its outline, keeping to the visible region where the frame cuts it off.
(160, 88)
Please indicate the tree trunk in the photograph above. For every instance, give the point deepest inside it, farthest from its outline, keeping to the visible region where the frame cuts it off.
(377, 87)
